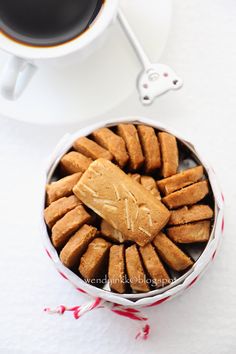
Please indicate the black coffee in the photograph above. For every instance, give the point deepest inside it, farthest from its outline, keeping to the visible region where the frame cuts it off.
(47, 22)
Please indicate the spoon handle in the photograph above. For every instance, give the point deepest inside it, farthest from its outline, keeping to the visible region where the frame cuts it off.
(133, 40)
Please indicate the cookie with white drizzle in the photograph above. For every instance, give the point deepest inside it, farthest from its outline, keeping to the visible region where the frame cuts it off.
(122, 202)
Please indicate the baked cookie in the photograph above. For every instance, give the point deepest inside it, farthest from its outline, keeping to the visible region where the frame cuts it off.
(66, 226)
(90, 149)
(137, 277)
(187, 196)
(92, 263)
(109, 232)
(154, 267)
(190, 233)
(150, 146)
(70, 255)
(190, 214)
(61, 188)
(112, 142)
(171, 254)
(74, 162)
(135, 176)
(180, 180)
(150, 184)
(122, 202)
(130, 135)
(56, 210)
(169, 153)
(116, 269)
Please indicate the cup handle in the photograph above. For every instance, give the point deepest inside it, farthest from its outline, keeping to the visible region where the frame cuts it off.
(16, 76)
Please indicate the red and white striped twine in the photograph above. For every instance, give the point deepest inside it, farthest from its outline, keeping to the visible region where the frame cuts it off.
(132, 314)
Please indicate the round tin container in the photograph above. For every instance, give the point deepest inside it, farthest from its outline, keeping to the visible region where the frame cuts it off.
(202, 257)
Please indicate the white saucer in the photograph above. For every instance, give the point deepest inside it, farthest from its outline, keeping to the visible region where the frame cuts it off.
(58, 96)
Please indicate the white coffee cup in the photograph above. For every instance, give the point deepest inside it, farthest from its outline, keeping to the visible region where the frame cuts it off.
(26, 59)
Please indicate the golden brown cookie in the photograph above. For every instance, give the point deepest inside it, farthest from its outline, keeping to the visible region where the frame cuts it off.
(187, 196)
(59, 208)
(90, 149)
(169, 153)
(130, 135)
(108, 231)
(180, 180)
(135, 176)
(112, 142)
(190, 214)
(190, 233)
(154, 266)
(93, 260)
(171, 254)
(74, 162)
(61, 188)
(137, 277)
(150, 146)
(123, 203)
(66, 226)
(76, 246)
(116, 270)
(150, 184)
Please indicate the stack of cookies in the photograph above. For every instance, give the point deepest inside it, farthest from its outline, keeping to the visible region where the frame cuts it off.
(123, 210)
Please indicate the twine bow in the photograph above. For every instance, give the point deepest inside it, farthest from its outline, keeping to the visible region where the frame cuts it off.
(132, 314)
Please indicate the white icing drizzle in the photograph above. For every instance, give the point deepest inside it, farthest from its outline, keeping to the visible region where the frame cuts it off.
(116, 192)
(127, 214)
(88, 189)
(144, 231)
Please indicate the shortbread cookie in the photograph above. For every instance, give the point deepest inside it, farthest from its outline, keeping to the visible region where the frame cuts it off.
(150, 184)
(154, 267)
(108, 231)
(67, 225)
(77, 245)
(94, 259)
(112, 142)
(135, 176)
(116, 270)
(61, 188)
(180, 180)
(171, 254)
(123, 203)
(136, 275)
(130, 135)
(170, 154)
(74, 162)
(190, 233)
(90, 149)
(187, 196)
(59, 208)
(150, 146)
(189, 214)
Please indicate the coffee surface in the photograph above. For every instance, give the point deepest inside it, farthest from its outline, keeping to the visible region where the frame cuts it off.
(47, 22)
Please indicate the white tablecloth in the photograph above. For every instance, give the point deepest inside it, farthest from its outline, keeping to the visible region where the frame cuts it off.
(202, 48)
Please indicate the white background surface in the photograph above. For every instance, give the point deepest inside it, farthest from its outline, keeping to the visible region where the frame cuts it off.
(202, 48)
